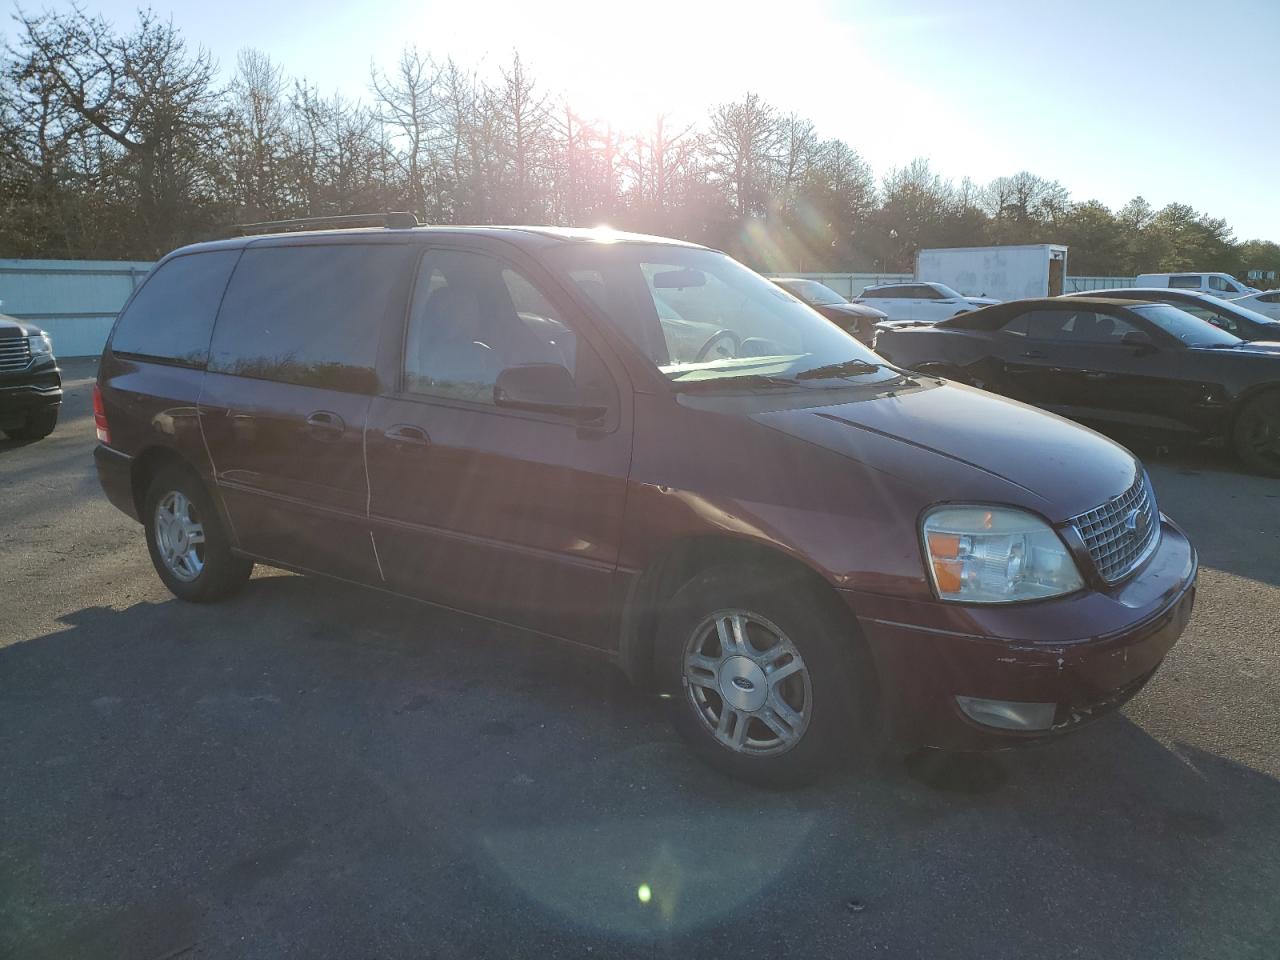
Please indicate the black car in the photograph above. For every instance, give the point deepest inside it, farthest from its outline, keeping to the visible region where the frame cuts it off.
(852, 318)
(1117, 364)
(30, 382)
(1244, 323)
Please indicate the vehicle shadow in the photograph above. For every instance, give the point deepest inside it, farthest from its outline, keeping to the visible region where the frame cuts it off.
(311, 769)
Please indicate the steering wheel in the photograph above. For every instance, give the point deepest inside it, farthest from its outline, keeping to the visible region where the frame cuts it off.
(721, 334)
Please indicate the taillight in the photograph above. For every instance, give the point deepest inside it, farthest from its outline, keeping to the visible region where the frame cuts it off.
(100, 416)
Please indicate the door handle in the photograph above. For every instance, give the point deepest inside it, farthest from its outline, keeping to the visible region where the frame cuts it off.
(325, 425)
(1095, 376)
(1033, 354)
(407, 433)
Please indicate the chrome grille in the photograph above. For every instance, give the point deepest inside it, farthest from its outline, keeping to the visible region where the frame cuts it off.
(15, 353)
(1122, 532)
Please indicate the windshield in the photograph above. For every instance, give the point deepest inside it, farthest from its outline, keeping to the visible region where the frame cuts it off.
(701, 316)
(811, 291)
(1192, 331)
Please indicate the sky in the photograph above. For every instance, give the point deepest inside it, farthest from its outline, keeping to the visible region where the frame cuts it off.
(1172, 100)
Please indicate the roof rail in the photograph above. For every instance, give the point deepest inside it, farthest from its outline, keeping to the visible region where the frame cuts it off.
(396, 220)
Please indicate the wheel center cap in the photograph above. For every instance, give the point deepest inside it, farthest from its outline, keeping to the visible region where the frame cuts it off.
(742, 684)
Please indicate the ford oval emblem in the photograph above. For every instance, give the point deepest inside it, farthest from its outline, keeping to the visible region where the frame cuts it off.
(1136, 523)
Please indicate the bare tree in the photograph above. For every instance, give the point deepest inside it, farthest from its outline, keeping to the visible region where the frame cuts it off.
(409, 102)
(742, 145)
(257, 136)
(154, 101)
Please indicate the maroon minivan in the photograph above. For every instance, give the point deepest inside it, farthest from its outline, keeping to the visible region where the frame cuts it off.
(642, 447)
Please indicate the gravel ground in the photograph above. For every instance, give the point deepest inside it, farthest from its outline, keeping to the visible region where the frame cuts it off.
(313, 770)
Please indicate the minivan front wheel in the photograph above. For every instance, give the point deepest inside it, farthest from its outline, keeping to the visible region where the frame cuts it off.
(185, 537)
(764, 681)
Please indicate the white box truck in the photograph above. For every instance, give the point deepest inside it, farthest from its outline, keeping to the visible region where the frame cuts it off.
(1005, 273)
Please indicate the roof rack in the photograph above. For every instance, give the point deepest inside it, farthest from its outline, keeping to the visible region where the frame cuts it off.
(396, 220)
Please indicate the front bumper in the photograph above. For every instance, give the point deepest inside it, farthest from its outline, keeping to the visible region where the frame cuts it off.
(36, 387)
(1087, 654)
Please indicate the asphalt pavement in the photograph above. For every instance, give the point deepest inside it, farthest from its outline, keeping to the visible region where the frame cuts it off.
(313, 770)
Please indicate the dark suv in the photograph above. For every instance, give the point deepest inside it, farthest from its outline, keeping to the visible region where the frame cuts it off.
(30, 382)
(642, 447)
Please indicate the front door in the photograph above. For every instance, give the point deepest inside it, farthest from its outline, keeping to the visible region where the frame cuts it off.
(284, 403)
(1072, 361)
(509, 513)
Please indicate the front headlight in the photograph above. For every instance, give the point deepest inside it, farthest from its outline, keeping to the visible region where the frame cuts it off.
(983, 554)
(40, 345)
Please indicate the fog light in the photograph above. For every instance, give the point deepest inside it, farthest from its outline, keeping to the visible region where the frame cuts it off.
(1008, 714)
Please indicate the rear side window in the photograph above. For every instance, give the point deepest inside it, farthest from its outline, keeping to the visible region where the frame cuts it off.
(1191, 282)
(308, 315)
(171, 317)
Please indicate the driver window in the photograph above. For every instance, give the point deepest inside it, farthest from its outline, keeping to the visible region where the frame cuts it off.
(1082, 326)
(472, 317)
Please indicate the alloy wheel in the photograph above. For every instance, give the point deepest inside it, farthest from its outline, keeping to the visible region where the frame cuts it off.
(179, 536)
(748, 683)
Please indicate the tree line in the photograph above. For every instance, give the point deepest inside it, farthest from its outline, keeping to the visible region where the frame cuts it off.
(123, 144)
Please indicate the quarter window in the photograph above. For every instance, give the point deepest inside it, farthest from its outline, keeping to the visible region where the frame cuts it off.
(308, 314)
(171, 317)
(472, 317)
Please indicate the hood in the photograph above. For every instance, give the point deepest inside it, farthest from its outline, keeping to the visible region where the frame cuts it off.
(852, 310)
(13, 327)
(952, 442)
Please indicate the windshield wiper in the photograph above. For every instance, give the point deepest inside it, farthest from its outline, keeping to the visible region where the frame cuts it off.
(848, 368)
(745, 380)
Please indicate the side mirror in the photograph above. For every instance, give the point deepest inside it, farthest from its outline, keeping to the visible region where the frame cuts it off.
(1139, 339)
(543, 388)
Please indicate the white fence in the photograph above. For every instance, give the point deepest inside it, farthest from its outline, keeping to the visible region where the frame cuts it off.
(852, 284)
(74, 301)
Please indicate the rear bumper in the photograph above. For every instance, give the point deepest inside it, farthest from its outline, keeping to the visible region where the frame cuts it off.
(115, 475)
(1025, 654)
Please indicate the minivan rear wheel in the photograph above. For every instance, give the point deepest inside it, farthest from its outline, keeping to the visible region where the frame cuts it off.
(764, 680)
(1256, 435)
(189, 547)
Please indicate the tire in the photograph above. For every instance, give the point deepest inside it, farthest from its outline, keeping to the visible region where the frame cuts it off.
(39, 425)
(1255, 436)
(199, 571)
(795, 726)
